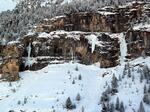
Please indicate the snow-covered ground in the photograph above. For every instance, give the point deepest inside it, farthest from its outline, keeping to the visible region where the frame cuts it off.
(7, 5)
(47, 89)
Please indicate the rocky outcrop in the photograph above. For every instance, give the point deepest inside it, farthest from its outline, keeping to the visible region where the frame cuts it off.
(1, 50)
(109, 51)
(113, 19)
(11, 62)
(63, 47)
(88, 22)
(49, 44)
(138, 43)
(10, 70)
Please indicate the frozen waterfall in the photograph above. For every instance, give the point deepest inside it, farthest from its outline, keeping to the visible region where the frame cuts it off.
(94, 39)
(123, 48)
(28, 61)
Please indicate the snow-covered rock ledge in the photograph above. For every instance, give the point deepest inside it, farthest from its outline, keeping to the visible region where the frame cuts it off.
(85, 47)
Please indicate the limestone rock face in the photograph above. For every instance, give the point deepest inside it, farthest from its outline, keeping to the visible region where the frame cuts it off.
(46, 50)
(109, 51)
(11, 51)
(63, 47)
(88, 22)
(113, 20)
(80, 40)
(138, 43)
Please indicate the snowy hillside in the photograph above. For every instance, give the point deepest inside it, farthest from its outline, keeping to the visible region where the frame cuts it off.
(46, 90)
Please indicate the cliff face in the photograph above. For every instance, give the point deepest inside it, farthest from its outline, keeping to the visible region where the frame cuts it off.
(113, 20)
(67, 46)
(34, 52)
(49, 44)
(87, 22)
(138, 43)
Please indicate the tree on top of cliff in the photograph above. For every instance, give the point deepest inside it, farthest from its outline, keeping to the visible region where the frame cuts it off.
(30, 12)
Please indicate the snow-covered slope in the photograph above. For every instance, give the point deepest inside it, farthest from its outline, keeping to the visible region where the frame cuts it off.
(46, 90)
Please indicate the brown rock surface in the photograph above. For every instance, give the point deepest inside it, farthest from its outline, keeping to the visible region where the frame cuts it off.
(10, 70)
(11, 62)
(113, 20)
(45, 50)
(138, 43)
(66, 46)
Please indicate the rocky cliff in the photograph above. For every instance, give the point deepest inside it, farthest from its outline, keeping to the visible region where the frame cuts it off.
(63, 46)
(138, 42)
(107, 19)
(80, 37)
(11, 61)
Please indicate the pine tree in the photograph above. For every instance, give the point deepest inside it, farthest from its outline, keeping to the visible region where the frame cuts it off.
(69, 103)
(78, 97)
(80, 77)
(108, 107)
(11, 111)
(129, 72)
(112, 108)
(133, 78)
(138, 70)
(104, 97)
(117, 104)
(82, 109)
(146, 72)
(108, 90)
(114, 81)
(132, 69)
(146, 99)
(124, 73)
(73, 82)
(120, 79)
(149, 89)
(145, 89)
(76, 69)
(127, 66)
(141, 108)
(122, 107)
(104, 107)
(114, 84)
(141, 78)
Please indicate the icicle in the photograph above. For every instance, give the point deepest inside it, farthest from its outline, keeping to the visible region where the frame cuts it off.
(123, 48)
(93, 42)
(4, 41)
(29, 55)
(72, 55)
